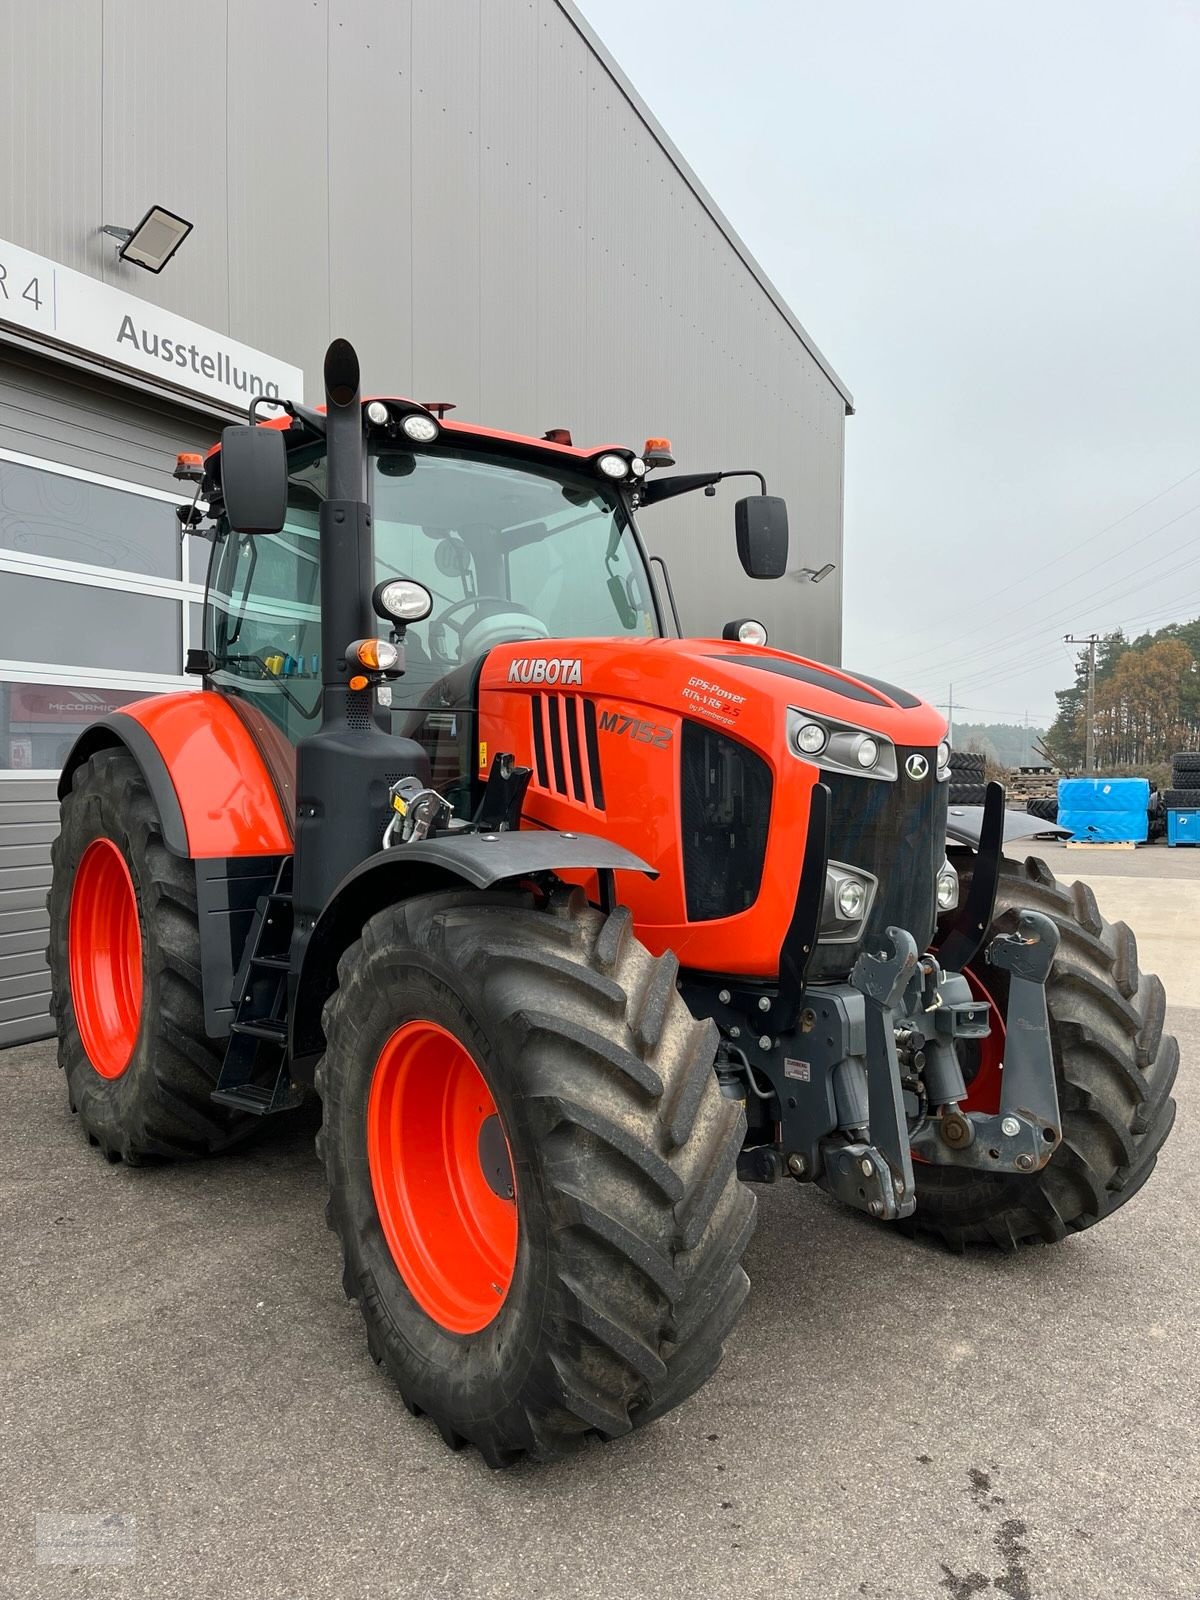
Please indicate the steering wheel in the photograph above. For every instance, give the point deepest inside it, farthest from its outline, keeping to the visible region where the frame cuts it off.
(500, 602)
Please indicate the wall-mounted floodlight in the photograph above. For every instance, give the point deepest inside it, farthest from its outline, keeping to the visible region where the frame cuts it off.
(154, 241)
(814, 574)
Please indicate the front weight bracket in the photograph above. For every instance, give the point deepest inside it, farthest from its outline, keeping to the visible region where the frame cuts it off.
(1027, 1086)
(882, 981)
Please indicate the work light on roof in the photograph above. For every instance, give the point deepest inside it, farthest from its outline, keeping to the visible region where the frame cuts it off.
(377, 413)
(154, 241)
(613, 466)
(420, 428)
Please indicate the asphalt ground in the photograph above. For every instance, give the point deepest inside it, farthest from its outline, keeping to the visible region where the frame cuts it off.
(890, 1421)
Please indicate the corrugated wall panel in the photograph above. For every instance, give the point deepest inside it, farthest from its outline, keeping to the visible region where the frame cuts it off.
(509, 206)
(445, 203)
(370, 167)
(164, 142)
(29, 811)
(275, 106)
(562, 350)
(52, 153)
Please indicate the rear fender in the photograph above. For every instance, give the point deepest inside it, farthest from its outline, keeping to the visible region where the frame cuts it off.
(428, 866)
(214, 793)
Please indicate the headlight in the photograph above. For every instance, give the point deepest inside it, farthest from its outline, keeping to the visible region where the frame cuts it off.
(947, 888)
(613, 466)
(851, 897)
(943, 761)
(422, 430)
(402, 600)
(846, 904)
(810, 738)
(837, 746)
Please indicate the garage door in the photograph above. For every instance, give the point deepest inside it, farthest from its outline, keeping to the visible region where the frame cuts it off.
(98, 601)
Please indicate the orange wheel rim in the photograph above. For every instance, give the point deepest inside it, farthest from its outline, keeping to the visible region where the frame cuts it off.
(104, 957)
(442, 1176)
(983, 1091)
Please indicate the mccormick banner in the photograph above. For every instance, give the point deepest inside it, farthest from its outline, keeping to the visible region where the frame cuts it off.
(69, 308)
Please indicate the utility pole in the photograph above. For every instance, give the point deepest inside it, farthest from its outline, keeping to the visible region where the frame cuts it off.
(950, 715)
(1091, 640)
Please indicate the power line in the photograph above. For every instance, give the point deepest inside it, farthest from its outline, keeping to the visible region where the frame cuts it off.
(942, 645)
(1006, 679)
(1029, 637)
(996, 671)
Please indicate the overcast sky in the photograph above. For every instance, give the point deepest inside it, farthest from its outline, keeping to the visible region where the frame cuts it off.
(988, 217)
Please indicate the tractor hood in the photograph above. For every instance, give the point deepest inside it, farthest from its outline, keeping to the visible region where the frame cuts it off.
(687, 752)
(744, 689)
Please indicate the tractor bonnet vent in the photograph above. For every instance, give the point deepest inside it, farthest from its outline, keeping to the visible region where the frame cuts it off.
(566, 751)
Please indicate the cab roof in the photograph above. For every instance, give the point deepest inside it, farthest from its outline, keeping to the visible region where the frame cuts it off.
(467, 432)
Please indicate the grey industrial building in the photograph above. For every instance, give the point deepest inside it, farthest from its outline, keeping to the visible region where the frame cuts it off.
(472, 192)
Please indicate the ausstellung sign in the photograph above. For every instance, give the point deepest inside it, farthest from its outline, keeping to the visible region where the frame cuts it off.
(83, 314)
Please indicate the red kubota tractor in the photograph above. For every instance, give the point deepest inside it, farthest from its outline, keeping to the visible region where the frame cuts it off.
(574, 927)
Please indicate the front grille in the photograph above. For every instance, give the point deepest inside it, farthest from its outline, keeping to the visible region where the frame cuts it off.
(566, 751)
(726, 818)
(897, 831)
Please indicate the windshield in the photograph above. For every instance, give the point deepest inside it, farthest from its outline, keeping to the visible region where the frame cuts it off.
(508, 553)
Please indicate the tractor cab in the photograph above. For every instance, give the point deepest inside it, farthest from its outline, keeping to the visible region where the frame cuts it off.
(511, 539)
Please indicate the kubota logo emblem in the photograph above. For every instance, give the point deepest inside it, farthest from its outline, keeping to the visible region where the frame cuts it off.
(917, 768)
(536, 669)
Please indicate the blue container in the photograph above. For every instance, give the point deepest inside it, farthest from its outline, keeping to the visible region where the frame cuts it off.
(1108, 810)
(1183, 827)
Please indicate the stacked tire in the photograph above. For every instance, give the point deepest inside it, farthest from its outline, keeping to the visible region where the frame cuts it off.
(1184, 793)
(968, 778)
(1044, 810)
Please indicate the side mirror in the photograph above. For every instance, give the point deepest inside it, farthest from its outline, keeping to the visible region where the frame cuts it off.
(254, 478)
(760, 521)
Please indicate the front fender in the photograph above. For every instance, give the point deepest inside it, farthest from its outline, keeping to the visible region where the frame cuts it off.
(427, 866)
(964, 824)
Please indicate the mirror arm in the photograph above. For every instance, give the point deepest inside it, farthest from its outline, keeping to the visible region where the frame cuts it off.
(657, 489)
(748, 472)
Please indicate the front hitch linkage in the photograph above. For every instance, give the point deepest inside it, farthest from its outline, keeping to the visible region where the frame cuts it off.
(1024, 1133)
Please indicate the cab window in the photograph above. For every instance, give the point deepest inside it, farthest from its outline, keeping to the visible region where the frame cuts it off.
(508, 552)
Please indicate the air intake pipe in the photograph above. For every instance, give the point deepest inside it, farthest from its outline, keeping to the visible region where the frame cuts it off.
(346, 536)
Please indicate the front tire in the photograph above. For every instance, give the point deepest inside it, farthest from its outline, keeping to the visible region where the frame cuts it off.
(534, 1079)
(1114, 1068)
(125, 975)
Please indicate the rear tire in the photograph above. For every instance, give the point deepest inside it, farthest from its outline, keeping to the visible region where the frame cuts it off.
(143, 1090)
(631, 1222)
(1114, 1066)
